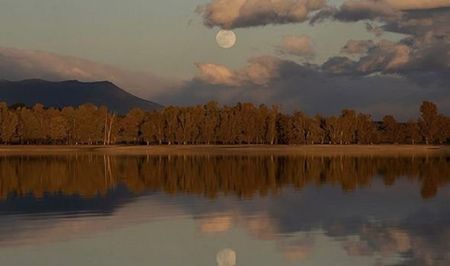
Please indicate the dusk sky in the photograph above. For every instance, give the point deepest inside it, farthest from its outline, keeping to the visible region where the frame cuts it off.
(313, 55)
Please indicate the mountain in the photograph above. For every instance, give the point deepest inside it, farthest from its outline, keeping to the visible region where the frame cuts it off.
(71, 93)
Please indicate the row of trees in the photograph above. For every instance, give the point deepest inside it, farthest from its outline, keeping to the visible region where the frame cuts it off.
(243, 123)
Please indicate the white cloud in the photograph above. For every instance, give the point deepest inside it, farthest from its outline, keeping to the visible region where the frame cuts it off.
(246, 13)
(259, 71)
(217, 74)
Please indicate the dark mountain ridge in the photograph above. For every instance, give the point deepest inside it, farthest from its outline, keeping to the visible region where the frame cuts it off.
(72, 93)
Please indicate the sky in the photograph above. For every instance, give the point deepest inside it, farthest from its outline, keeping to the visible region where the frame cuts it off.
(318, 56)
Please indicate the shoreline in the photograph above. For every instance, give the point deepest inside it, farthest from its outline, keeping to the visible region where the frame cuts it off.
(312, 150)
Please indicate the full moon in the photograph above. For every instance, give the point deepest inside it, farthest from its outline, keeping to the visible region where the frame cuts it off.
(226, 39)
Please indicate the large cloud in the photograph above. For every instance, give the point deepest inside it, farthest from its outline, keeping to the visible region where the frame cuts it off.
(310, 88)
(19, 64)
(424, 51)
(230, 14)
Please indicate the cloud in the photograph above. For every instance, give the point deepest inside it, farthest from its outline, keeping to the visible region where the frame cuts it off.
(382, 10)
(424, 52)
(259, 71)
(19, 64)
(365, 9)
(316, 89)
(385, 56)
(229, 14)
(411, 58)
(417, 4)
(217, 74)
(297, 45)
(340, 65)
(357, 47)
(374, 29)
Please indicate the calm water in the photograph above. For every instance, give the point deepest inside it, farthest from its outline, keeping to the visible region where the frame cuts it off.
(89, 209)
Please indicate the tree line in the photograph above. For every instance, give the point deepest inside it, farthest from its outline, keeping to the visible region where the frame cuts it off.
(90, 175)
(243, 123)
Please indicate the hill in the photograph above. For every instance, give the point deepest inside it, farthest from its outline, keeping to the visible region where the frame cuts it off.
(72, 93)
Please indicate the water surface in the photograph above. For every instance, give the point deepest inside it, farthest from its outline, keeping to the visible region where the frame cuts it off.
(92, 209)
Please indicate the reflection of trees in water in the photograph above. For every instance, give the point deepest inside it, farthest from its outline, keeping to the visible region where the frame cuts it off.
(89, 175)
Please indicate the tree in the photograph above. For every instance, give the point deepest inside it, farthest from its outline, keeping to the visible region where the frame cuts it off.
(247, 123)
(365, 130)
(429, 122)
(69, 115)
(58, 126)
(334, 130)
(153, 128)
(88, 124)
(229, 130)
(283, 128)
(313, 132)
(170, 115)
(296, 132)
(41, 116)
(209, 124)
(110, 125)
(271, 125)
(412, 132)
(130, 126)
(29, 128)
(348, 121)
(391, 129)
(8, 124)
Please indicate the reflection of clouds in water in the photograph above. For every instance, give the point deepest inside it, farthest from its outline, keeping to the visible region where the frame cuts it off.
(401, 239)
(387, 244)
(261, 226)
(226, 257)
(298, 249)
(390, 242)
(216, 224)
(49, 228)
(297, 253)
(412, 230)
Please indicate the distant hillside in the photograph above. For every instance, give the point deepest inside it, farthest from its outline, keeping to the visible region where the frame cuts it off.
(72, 93)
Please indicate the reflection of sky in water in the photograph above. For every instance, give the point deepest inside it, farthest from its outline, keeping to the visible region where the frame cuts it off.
(374, 225)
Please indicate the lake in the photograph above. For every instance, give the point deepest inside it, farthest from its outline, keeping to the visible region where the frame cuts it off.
(97, 209)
